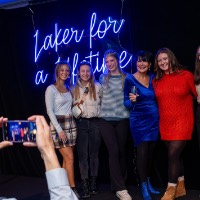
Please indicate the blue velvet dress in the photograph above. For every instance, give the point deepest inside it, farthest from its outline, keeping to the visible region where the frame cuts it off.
(144, 117)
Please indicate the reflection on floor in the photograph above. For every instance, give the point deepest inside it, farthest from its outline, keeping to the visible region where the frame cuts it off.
(31, 188)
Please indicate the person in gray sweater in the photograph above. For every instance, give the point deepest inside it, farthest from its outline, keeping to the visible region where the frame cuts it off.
(115, 122)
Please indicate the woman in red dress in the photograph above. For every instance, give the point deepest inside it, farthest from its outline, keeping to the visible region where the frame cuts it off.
(175, 90)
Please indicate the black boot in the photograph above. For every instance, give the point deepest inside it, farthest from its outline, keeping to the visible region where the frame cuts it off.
(93, 185)
(85, 189)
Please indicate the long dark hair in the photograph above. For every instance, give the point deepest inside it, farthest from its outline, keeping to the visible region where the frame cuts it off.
(197, 68)
(173, 63)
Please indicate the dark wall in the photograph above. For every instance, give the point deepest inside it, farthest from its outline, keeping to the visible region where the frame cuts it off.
(149, 25)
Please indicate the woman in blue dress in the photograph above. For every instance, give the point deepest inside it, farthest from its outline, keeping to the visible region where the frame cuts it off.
(139, 98)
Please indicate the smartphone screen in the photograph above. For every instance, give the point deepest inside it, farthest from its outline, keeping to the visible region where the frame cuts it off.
(19, 131)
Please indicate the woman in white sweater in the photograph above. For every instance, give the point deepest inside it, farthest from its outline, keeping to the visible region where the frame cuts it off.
(58, 101)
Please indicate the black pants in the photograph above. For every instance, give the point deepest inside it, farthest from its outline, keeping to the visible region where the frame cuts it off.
(88, 142)
(114, 134)
(198, 123)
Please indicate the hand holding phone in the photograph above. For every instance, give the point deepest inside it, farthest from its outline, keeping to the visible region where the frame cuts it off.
(19, 131)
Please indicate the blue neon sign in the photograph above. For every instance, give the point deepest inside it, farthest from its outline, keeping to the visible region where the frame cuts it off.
(65, 36)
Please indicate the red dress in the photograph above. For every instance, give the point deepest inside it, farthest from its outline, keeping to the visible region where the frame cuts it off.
(175, 93)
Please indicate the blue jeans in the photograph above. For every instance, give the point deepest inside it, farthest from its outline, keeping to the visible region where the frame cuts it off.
(88, 143)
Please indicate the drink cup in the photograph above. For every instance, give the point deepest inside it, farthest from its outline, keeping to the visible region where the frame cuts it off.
(134, 90)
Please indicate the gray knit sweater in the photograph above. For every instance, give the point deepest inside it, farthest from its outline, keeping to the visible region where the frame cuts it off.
(112, 105)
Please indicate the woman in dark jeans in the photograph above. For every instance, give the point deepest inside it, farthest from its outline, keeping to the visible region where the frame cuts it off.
(89, 138)
(114, 122)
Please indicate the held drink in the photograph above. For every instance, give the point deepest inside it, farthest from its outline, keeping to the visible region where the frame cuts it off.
(134, 89)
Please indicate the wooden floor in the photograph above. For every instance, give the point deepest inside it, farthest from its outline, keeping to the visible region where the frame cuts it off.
(31, 188)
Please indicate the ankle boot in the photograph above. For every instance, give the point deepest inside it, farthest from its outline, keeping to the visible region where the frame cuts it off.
(151, 189)
(93, 185)
(170, 193)
(144, 191)
(180, 190)
(85, 189)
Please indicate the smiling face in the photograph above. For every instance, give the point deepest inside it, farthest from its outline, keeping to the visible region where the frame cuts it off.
(85, 73)
(163, 63)
(142, 66)
(63, 72)
(112, 64)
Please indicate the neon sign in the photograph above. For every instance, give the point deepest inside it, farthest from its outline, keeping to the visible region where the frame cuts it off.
(65, 36)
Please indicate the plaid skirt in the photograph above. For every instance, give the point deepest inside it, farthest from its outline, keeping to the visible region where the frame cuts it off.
(68, 125)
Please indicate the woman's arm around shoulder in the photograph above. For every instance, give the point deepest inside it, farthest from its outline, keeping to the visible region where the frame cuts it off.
(127, 89)
(102, 79)
(190, 79)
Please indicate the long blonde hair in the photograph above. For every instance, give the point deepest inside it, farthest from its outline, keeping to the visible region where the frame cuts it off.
(56, 73)
(91, 85)
(115, 55)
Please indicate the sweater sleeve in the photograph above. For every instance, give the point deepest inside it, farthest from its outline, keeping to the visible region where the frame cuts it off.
(100, 91)
(58, 185)
(127, 89)
(50, 105)
(191, 84)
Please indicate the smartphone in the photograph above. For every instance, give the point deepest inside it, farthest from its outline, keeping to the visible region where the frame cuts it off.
(19, 131)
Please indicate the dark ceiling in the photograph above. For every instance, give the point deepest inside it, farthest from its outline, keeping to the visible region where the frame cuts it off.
(12, 4)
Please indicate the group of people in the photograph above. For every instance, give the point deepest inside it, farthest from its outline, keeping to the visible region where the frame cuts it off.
(163, 104)
(156, 101)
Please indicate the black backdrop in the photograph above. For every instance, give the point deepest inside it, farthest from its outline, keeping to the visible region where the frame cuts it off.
(149, 25)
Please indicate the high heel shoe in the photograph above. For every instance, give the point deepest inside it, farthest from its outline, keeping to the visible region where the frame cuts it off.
(144, 191)
(151, 189)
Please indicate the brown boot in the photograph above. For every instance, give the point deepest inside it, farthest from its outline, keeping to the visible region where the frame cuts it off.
(170, 193)
(180, 190)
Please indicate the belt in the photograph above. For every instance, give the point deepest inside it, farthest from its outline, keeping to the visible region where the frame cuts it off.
(89, 119)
